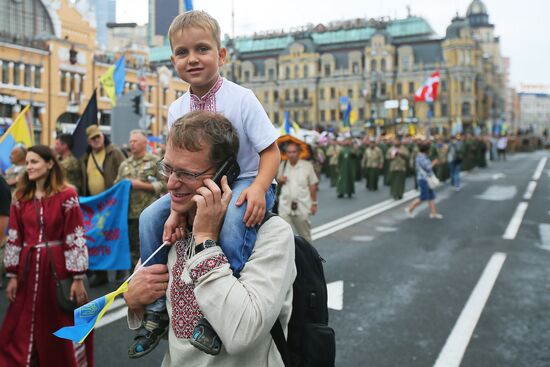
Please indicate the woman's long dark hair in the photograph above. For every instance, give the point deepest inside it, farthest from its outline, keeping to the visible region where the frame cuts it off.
(55, 180)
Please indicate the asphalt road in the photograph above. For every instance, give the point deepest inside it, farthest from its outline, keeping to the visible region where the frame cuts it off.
(408, 284)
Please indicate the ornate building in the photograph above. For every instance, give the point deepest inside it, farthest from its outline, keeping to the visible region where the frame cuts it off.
(308, 70)
(48, 59)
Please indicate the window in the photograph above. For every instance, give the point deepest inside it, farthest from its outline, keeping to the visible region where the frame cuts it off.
(287, 72)
(275, 95)
(466, 109)
(5, 72)
(27, 75)
(37, 77)
(333, 115)
(350, 93)
(247, 76)
(399, 89)
(322, 93)
(327, 69)
(63, 82)
(287, 95)
(16, 74)
(271, 74)
(462, 86)
(295, 114)
(306, 116)
(373, 65)
(296, 72)
(405, 63)
(323, 119)
(276, 117)
(468, 85)
(411, 87)
(355, 68)
(296, 95)
(332, 93)
(305, 94)
(383, 89)
(383, 65)
(443, 85)
(266, 96)
(305, 71)
(361, 113)
(443, 109)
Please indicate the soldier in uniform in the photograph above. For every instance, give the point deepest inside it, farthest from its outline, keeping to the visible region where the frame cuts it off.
(398, 157)
(17, 159)
(69, 164)
(346, 160)
(147, 185)
(333, 151)
(373, 162)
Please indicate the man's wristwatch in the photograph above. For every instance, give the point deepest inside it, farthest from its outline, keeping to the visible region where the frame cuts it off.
(203, 246)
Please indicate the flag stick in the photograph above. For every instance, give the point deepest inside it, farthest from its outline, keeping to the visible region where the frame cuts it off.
(146, 261)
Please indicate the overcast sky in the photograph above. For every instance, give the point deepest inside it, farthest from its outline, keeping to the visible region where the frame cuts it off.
(524, 36)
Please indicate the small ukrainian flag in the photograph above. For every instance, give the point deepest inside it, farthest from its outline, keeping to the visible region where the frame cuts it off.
(86, 317)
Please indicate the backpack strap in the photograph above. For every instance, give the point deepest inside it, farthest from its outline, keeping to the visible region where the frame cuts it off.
(279, 339)
(277, 329)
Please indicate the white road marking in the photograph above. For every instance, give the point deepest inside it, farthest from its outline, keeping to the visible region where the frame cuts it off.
(335, 292)
(544, 232)
(386, 229)
(530, 190)
(498, 193)
(453, 351)
(112, 316)
(359, 216)
(497, 176)
(515, 222)
(362, 238)
(540, 167)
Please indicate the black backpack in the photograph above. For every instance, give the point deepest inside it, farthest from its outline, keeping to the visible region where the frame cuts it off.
(311, 342)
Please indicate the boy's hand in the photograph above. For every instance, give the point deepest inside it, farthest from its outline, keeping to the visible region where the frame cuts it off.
(254, 195)
(174, 227)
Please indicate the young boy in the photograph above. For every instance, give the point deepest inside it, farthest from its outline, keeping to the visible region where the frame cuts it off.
(197, 56)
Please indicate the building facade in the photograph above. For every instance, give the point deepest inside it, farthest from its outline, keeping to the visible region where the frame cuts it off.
(49, 60)
(535, 112)
(105, 12)
(369, 62)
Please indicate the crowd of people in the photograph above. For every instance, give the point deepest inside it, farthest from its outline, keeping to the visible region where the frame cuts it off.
(221, 262)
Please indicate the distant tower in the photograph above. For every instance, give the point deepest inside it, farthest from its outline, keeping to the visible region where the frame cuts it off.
(161, 14)
(105, 12)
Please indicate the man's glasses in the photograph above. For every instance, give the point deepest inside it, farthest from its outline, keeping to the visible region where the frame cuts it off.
(181, 175)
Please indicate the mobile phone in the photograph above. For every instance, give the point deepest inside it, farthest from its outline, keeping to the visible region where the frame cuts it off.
(229, 168)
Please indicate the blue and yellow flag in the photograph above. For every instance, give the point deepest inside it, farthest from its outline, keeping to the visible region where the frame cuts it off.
(113, 80)
(86, 317)
(288, 127)
(20, 132)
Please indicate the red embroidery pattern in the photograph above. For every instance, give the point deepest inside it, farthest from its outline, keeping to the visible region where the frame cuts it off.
(185, 309)
(207, 265)
(208, 101)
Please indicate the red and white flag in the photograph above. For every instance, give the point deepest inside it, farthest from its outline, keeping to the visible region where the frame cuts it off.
(428, 92)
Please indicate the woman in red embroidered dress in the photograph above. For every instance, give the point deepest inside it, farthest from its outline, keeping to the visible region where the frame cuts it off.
(26, 336)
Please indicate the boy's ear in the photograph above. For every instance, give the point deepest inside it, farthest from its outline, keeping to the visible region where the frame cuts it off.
(222, 56)
(172, 59)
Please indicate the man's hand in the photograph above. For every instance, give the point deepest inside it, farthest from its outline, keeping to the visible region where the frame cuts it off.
(211, 208)
(313, 209)
(148, 285)
(174, 227)
(255, 210)
(282, 180)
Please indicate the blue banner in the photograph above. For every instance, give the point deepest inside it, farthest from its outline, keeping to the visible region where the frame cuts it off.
(106, 226)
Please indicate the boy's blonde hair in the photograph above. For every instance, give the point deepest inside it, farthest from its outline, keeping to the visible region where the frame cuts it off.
(198, 19)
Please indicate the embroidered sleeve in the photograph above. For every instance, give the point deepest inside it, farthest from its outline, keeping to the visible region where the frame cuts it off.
(14, 240)
(76, 252)
(207, 265)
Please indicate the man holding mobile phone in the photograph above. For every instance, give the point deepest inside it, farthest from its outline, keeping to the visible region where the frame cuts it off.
(197, 279)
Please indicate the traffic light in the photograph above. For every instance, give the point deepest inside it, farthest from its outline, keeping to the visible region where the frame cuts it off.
(136, 105)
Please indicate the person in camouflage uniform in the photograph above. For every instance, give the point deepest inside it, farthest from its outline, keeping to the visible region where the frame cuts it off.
(147, 185)
(69, 164)
(373, 162)
(442, 171)
(17, 158)
(333, 151)
(398, 157)
(346, 160)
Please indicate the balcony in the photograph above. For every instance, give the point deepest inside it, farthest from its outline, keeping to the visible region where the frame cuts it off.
(292, 103)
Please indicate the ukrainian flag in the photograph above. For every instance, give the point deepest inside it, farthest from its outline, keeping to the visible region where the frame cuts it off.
(113, 80)
(86, 317)
(20, 132)
(289, 127)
